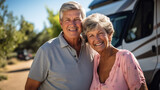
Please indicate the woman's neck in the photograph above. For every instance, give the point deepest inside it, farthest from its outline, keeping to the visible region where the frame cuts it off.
(108, 52)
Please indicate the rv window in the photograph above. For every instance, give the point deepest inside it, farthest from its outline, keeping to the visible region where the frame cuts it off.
(142, 21)
(119, 22)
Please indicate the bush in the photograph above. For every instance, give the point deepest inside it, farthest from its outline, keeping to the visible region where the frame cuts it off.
(3, 63)
(12, 61)
(3, 77)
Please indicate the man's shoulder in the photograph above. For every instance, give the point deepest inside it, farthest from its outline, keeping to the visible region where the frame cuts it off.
(51, 43)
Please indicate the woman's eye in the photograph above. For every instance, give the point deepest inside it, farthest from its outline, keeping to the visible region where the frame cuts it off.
(101, 33)
(90, 36)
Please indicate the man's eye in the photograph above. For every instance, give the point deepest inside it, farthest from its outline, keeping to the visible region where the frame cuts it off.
(66, 20)
(90, 36)
(77, 20)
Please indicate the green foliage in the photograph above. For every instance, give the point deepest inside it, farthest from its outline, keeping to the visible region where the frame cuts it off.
(9, 36)
(3, 63)
(3, 77)
(55, 27)
(25, 27)
(48, 32)
(12, 39)
(27, 34)
(40, 39)
(32, 40)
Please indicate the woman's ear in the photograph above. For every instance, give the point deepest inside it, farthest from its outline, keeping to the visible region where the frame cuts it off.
(110, 37)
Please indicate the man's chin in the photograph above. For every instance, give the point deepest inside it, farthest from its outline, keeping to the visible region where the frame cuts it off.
(74, 37)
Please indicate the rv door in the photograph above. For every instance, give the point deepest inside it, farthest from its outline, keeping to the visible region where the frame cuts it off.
(141, 38)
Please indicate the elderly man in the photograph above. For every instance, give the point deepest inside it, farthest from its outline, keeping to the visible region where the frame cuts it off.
(65, 62)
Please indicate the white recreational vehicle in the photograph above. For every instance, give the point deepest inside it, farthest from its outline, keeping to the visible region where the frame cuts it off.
(137, 28)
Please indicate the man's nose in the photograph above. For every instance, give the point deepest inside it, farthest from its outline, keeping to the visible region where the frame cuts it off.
(72, 22)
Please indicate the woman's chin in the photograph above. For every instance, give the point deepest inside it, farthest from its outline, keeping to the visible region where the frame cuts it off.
(99, 50)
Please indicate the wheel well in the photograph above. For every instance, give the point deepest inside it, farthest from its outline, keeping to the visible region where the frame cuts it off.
(155, 81)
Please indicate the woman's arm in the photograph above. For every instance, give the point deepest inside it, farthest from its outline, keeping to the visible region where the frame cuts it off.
(143, 87)
(133, 73)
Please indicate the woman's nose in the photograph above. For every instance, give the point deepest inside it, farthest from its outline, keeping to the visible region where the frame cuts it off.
(97, 38)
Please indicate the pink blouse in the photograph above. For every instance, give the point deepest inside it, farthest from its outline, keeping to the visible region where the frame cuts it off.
(125, 73)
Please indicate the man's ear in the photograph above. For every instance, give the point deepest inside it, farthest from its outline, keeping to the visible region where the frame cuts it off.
(60, 21)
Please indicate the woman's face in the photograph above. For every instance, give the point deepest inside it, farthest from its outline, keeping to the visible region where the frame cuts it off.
(98, 39)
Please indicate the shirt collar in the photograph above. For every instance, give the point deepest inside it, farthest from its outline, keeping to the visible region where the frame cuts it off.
(63, 42)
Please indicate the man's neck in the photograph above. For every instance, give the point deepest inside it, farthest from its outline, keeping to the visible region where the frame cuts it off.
(75, 43)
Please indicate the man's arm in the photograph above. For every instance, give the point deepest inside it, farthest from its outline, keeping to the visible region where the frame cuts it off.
(32, 84)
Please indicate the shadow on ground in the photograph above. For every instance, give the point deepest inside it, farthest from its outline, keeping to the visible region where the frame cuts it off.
(19, 70)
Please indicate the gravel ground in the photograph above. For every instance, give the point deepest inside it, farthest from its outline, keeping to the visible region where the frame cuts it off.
(17, 75)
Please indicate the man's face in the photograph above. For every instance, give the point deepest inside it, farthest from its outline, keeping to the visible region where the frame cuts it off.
(71, 24)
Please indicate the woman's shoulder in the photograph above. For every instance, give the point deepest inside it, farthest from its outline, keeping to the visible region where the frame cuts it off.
(124, 52)
(125, 55)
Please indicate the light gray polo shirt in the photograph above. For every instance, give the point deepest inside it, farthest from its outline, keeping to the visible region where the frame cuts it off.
(56, 65)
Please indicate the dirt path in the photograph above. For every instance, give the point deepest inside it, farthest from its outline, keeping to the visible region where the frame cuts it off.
(17, 75)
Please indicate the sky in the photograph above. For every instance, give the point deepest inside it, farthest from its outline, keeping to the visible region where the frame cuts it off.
(34, 11)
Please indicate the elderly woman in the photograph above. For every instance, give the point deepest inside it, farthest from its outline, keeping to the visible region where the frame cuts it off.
(114, 69)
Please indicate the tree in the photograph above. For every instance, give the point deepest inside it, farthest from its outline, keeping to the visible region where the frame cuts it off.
(9, 36)
(40, 39)
(47, 33)
(27, 32)
(55, 27)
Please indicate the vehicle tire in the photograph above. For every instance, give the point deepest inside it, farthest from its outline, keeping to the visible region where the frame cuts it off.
(155, 85)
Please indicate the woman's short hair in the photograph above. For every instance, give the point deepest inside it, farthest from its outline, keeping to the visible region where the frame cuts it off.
(95, 20)
(71, 5)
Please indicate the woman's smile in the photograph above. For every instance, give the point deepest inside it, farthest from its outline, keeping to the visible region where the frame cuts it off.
(98, 44)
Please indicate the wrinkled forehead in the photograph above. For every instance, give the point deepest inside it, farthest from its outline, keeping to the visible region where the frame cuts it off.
(97, 28)
(72, 14)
